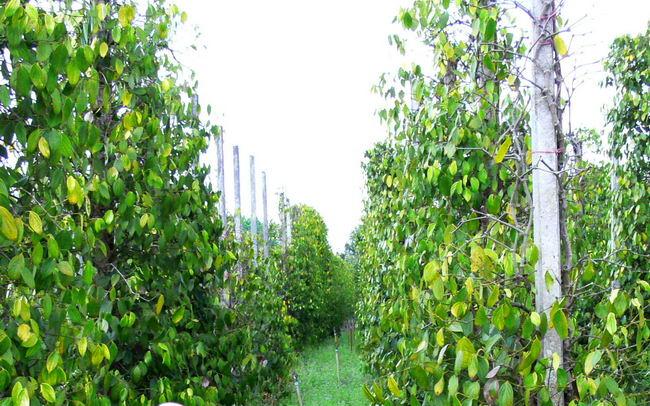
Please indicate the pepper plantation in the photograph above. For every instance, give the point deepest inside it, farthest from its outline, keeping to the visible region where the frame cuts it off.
(501, 259)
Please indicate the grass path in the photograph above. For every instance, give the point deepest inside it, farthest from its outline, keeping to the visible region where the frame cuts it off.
(317, 374)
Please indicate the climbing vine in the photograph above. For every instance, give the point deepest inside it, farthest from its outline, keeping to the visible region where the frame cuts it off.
(318, 285)
(110, 243)
(448, 305)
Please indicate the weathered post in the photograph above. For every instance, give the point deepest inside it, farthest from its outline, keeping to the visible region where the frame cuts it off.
(288, 221)
(235, 156)
(221, 180)
(265, 216)
(283, 222)
(546, 207)
(338, 361)
(296, 383)
(253, 210)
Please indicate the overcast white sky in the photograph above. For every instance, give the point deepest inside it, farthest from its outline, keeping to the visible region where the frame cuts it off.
(290, 82)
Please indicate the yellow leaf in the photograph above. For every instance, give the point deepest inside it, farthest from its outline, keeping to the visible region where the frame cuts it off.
(431, 270)
(65, 268)
(143, 220)
(24, 332)
(101, 11)
(477, 258)
(535, 318)
(73, 186)
(160, 303)
(103, 49)
(503, 150)
(35, 223)
(440, 386)
(166, 85)
(107, 352)
(126, 98)
(52, 361)
(126, 15)
(82, 345)
(556, 361)
(9, 227)
(440, 337)
(44, 147)
(98, 355)
(392, 385)
(469, 285)
(48, 392)
(560, 45)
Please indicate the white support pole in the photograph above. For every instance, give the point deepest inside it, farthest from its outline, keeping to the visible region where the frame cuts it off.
(546, 207)
(288, 220)
(265, 216)
(235, 156)
(221, 180)
(253, 210)
(283, 221)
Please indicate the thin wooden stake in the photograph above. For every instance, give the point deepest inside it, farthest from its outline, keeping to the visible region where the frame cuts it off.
(338, 361)
(296, 383)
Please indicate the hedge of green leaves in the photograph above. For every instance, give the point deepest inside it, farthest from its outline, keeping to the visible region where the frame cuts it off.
(447, 259)
(110, 243)
(318, 285)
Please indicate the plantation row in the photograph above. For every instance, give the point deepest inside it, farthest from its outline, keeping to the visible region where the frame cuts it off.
(120, 284)
(460, 302)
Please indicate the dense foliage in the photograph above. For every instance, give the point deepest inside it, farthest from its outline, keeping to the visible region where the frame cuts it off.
(318, 285)
(113, 266)
(447, 259)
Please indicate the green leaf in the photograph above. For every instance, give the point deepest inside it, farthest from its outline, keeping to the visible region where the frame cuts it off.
(11, 7)
(23, 81)
(467, 348)
(408, 20)
(48, 392)
(592, 360)
(611, 325)
(549, 281)
(52, 247)
(490, 30)
(65, 268)
(28, 277)
(506, 395)
(560, 323)
(19, 395)
(73, 72)
(38, 76)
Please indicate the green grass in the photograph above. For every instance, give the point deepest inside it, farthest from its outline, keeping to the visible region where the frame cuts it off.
(316, 371)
